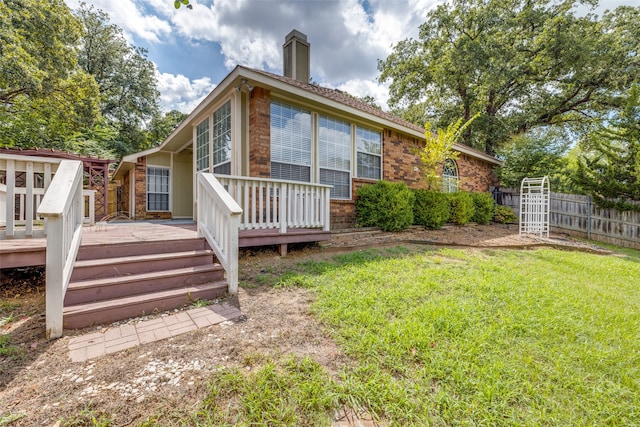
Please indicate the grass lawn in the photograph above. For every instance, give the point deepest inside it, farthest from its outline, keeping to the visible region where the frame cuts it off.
(457, 337)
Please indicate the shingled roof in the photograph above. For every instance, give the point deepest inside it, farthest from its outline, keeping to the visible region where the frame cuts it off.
(350, 101)
(343, 98)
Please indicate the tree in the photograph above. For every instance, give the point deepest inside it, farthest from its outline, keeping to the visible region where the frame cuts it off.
(609, 166)
(178, 3)
(126, 78)
(519, 63)
(44, 95)
(537, 153)
(438, 147)
(162, 125)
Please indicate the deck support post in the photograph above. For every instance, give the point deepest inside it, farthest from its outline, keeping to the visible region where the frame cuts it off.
(282, 249)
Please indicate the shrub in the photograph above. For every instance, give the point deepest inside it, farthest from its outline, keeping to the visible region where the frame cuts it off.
(461, 205)
(483, 206)
(504, 215)
(386, 205)
(431, 208)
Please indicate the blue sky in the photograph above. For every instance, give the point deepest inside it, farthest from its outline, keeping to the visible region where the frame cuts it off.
(194, 49)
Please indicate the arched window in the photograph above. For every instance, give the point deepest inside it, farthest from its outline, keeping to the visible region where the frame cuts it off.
(449, 176)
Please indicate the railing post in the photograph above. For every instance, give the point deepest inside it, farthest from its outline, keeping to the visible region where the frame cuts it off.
(63, 207)
(232, 272)
(29, 213)
(11, 198)
(54, 293)
(284, 204)
(327, 209)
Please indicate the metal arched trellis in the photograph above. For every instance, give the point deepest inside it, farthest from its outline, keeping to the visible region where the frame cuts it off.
(534, 206)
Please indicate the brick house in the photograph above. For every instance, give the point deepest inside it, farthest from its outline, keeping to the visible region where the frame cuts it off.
(262, 125)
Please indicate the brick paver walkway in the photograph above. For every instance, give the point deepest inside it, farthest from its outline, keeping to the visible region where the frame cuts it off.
(111, 340)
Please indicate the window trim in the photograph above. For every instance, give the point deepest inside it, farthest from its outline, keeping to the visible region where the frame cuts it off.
(312, 163)
(169, 189)
(213, 165)
(358, 151)
(450, 182)
(208, 143)
(349, 169)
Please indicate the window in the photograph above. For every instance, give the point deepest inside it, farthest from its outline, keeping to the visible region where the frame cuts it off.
(449, 176)
(222, 139)
(290, 142)
(202, 146)
(334, 146)
(157, 189)
(369, 148)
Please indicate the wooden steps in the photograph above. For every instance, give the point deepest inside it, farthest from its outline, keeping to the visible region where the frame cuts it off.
(118, 281)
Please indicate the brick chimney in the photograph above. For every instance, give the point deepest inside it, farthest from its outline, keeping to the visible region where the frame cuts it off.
(297, 61)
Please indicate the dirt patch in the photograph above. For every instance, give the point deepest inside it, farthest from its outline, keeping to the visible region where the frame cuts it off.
(39, 384)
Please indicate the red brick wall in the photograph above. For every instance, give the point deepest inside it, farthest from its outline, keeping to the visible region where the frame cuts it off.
(400, 159)
(124, 203)
(475, 174)
(402, 163)
(343, 214)
(260, 133)
(141, 193)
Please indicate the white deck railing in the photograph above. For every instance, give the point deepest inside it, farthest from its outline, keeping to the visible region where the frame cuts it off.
(218, 217)
(270, 203)
(18, 205)
(62, 206)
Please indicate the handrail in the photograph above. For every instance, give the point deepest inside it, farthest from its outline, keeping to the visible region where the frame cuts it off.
(218, 218)
(62, 206)
(279, 204)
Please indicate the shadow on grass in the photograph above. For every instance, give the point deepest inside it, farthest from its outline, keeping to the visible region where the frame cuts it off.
(304, 262)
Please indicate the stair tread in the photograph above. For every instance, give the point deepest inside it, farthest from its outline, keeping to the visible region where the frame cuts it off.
(139, 258)
(142, 298)
(134, 248)
(82, 284)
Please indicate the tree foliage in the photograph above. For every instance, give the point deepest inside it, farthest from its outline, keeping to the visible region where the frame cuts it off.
(126, 78)
(44, 95)
(609, 166)
(162, 125)
(519, 63)
(537, 153)
(438, 147)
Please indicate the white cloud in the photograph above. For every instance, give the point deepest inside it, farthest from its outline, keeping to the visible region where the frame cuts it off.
(177, 92)
(133, 20)
(362, 88)
(346, 39)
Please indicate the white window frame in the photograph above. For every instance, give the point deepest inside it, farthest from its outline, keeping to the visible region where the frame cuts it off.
(290, 136)
(168, 192)
(450, 176)
(206, 153)
(367, 152)
(226, 133)
(323, 144)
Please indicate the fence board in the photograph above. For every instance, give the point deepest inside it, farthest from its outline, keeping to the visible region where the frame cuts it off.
(577, 215)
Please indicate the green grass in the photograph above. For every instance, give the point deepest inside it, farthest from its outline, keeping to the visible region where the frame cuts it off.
(8, 350)
(89, 416)
(295, 392)
(453, 337)
(494, 338)
(8, 312)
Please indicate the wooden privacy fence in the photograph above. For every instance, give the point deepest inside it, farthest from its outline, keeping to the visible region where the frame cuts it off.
(577, 215)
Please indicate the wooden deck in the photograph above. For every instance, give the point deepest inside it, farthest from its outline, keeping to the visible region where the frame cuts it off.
(30, 252)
